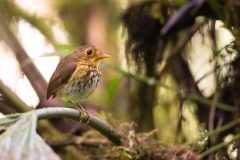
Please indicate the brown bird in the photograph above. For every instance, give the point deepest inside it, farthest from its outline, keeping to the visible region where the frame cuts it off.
(76, 76)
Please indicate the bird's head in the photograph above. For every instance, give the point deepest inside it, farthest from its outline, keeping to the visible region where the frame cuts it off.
(89, 54)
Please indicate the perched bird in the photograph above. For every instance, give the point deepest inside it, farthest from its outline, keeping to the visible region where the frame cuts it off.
(76, 76)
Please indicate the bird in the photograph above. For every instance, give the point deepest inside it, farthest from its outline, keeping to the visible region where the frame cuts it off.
(77, 76)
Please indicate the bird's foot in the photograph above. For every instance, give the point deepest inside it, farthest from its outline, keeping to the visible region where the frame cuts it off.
(81, 114)
(82, 111)
(88, 116)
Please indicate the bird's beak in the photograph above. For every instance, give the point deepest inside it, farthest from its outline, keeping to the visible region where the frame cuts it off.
(103, 55)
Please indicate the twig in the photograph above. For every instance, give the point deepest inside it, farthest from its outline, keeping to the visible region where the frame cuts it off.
(92, 142)
(218, 146)
(212, 115)
(209, 102)
(180, 119)
(185, 38)
(216, 131)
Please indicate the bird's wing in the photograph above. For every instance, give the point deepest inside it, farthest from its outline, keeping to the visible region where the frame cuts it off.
(61, 75)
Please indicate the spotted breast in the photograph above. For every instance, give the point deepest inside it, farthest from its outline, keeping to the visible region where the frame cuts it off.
(82, 85)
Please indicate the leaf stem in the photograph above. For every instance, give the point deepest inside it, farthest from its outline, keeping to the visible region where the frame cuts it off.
(153, 81)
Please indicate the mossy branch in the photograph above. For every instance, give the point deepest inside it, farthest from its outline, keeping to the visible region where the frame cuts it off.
(94, 122)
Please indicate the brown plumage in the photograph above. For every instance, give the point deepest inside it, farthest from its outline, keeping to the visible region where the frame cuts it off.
(77, 75)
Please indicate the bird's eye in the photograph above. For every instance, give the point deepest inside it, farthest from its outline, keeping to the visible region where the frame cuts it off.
(89, 51)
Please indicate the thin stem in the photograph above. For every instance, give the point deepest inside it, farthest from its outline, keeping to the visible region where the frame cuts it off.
(218, 146)
(153, 81)
(209, 102)
(216, 131)
(94, 122)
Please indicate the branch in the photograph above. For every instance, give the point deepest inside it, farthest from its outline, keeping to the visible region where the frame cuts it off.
(34, 76)
(90, 142)
(11, 99)
(181, 43)
(94, 122)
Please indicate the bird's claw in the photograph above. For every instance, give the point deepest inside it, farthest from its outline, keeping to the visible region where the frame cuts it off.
(88, 117)
(81, 115)
(82, 112)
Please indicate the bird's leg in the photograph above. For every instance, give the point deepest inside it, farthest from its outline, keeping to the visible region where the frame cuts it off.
(83, 110)
(80, 111)
(80, 106)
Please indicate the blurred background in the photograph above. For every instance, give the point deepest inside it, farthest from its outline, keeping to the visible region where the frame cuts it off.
(174, 65)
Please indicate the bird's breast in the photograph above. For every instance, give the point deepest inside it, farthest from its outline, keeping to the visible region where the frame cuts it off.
(80, 86)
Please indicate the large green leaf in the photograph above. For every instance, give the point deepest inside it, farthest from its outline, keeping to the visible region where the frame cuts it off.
(112, 86)
(20, 141)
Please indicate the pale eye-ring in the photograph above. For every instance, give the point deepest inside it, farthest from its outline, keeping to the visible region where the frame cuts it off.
(89, 52)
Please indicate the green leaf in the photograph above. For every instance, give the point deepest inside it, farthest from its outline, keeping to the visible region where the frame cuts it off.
(112, 86)
(21, 141)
